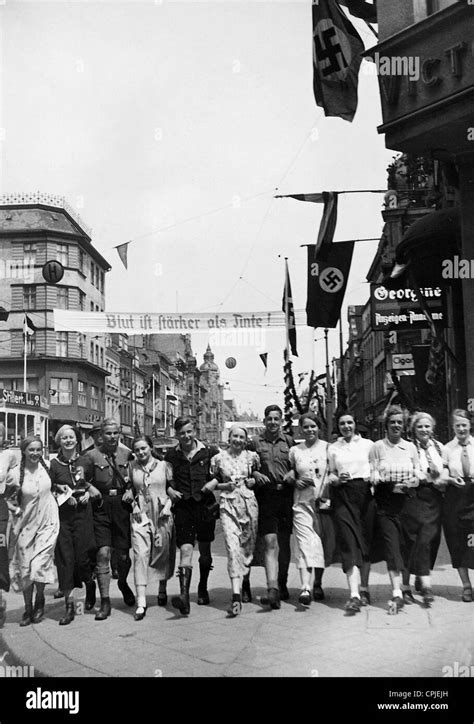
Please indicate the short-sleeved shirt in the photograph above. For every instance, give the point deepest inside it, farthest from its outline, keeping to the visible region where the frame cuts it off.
(110, 471)
(452, 456)
(309, 462)
(191, 473)
(396, 461)
(351, 457)
(274, 456)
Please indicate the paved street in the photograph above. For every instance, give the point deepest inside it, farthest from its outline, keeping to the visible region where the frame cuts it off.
(319, 642)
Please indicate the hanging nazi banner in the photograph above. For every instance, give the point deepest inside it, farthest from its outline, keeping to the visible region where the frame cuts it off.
(66, 320)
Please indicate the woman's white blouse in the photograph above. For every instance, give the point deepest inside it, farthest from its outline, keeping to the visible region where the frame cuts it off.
(351, 457)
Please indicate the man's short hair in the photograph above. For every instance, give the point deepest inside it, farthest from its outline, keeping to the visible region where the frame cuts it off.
(272, 408)
(180, 422)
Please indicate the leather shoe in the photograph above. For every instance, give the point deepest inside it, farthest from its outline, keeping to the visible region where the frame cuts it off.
(203, 597)
(408, 597)
(428, 597)
(318, 593)
(26, 619)
(467, 594)
(274, 598)
(304, 598)
(140, 613)
(352, 606)
(364, 598)
(90, 595)
(69, 615)
(162, 598)
(127, 593)
(58, 594)
(104, 611)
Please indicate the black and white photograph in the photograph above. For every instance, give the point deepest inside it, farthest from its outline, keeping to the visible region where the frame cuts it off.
(237, 351)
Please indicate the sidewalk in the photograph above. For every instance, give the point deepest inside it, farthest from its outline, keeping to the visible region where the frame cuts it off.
(318, 642)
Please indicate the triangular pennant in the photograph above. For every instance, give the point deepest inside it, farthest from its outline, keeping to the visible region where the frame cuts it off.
(122, 250)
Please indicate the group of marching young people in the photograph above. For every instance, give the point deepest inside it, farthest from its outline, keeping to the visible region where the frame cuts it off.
(351, 501)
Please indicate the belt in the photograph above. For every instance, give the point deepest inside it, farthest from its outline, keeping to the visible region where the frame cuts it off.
(112, 492)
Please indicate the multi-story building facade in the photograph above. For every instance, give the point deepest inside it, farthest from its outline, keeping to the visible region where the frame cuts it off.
(67, 369)
(431, 116)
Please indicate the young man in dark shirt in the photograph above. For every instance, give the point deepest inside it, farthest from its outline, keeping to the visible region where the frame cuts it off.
(191, 494)
(275, 503)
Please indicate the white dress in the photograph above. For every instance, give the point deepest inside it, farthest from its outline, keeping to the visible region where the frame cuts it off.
(308, 462)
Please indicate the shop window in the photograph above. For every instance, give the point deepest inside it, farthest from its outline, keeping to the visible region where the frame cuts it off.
(60, 391)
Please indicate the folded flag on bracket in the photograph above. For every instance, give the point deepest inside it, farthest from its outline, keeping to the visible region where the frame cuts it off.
(264, 357)
(289, 310)
(328, 223)
(337, 49)
(327, 282)
(28, 326)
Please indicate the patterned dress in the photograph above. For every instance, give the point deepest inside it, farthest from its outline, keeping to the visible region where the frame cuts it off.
(308, 462)
(35, 531)
(238, 508)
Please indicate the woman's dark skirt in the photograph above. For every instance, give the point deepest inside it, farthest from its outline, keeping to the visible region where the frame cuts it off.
(390, 506)
(4, 575)
(354, 517)
(458, 524)
(75, 547)
(421, 529)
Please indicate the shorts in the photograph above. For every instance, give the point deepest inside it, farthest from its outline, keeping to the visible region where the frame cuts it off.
(275, 512)
(191, 523)
(112, 523)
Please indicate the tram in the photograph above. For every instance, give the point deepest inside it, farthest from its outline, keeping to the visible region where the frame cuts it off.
(23, 413)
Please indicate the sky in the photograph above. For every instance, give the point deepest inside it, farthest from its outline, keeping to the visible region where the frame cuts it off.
(172, 124)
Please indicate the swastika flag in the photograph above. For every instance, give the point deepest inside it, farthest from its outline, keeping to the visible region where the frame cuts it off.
(327, 281)
(337, 49)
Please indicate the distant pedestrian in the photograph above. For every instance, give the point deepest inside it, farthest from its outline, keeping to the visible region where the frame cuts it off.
(354, 507)
(7, 463)
(153, 539)
(309, 466)
(71, 474)
(275, 503)
(396, 473)
(233, 470)
(111, 514)
(193, 506)
(458, 519)
(35, 529)
(422, 511)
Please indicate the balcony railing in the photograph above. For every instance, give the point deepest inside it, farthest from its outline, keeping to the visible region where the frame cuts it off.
(38, 197)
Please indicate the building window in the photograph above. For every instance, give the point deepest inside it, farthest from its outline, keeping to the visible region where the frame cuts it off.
(82, 301)
(92, 351)
(81, 394)
(29, 254)
(62, 297)
(81, 261)
(92, 273)
(60, 391)
(29, 297)
(30, 345)
(17, 384)
(62, 254)
(80, 344)
(101, 357)
(97, 277)
(101, 282)
(94, 397)
(61, 344)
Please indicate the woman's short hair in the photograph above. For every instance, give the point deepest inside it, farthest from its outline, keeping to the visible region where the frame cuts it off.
(27, 442)
(180, 422)
(390, 412)
(60, 433)
(146, 438)
(346, 413)
(308, 416)
(238, 427)
(415, 419)
(460, 413)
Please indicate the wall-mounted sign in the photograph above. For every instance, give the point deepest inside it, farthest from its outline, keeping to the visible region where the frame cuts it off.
(402, 361)
(400, 309)
(13, 398)
(53, 271)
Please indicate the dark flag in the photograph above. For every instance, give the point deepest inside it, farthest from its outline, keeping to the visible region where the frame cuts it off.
(264, 358)
(337, 49)
(361, 9)
(28, 326)
(327, 226)
(122, 251)
(327, 281)
(289, 311)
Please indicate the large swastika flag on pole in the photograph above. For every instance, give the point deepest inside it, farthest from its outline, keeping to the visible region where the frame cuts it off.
(337, 49)
(327, 281)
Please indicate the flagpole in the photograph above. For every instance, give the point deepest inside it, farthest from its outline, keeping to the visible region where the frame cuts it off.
(153, 401)
(329, 409)
(24, 361)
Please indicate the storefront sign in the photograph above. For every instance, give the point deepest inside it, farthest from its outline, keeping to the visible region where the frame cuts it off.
(399, 309)
(13, 398)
